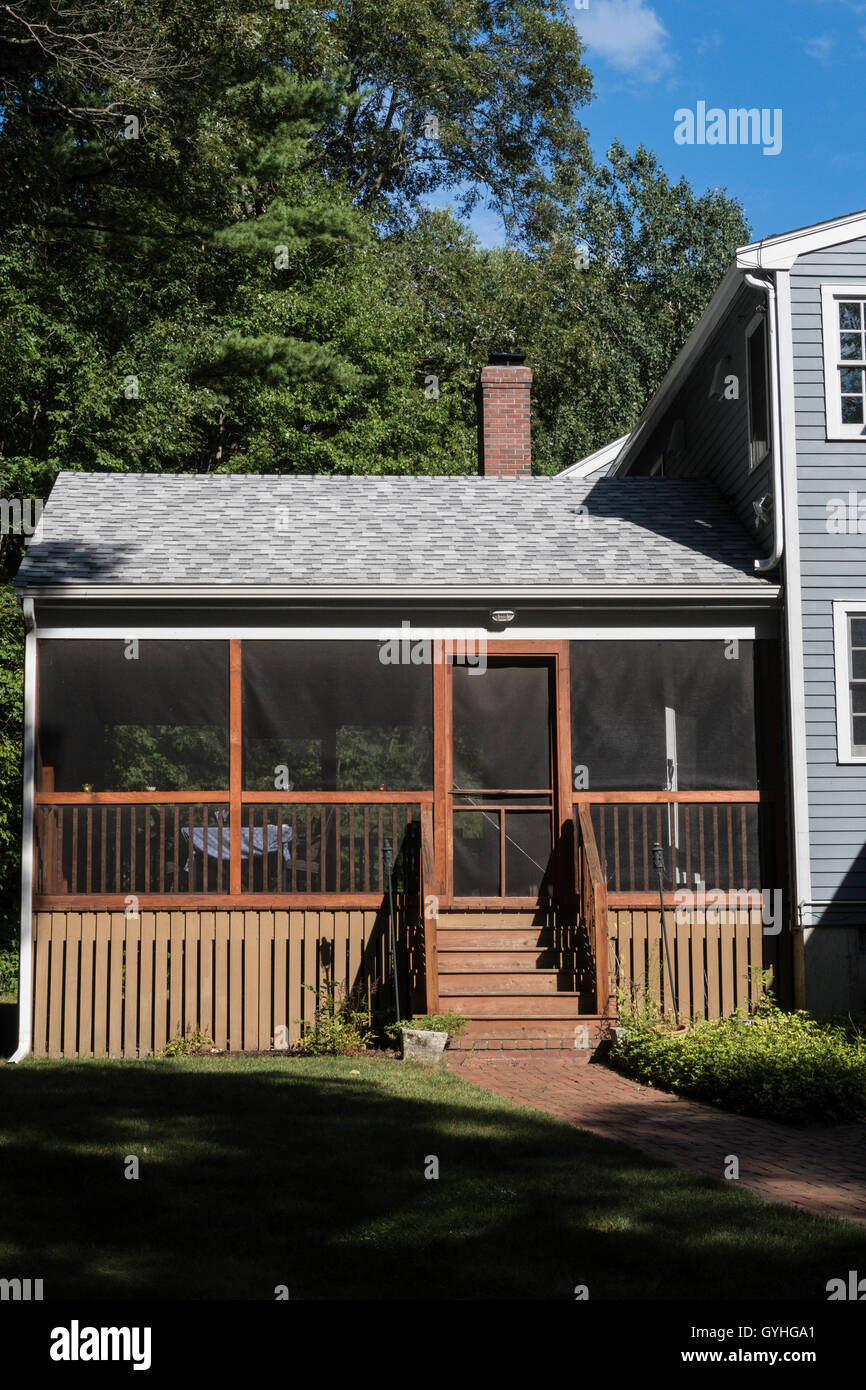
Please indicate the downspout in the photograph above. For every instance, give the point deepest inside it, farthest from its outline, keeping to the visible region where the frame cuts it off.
(25, 968)
(800, 833)
(772, 560)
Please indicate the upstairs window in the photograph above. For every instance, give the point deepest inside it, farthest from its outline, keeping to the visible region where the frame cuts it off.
(850, 649)
(844, 329)
(759, 396)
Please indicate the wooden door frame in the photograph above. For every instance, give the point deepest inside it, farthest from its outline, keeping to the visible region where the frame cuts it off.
(555, 652)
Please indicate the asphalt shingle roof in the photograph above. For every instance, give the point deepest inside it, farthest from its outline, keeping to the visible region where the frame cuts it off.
(459, 532)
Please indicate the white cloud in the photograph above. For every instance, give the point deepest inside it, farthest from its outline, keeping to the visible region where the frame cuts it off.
(627, 34)
(820, 47)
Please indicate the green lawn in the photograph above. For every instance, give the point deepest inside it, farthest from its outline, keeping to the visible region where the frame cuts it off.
(259, 1172)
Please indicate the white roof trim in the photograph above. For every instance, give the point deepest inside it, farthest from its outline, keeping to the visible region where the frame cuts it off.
(780, 252)
(606, 455)
(750, 592)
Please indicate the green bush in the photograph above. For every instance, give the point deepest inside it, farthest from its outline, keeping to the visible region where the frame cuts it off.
(9, 971)
(448, 1022)
(782, 1066)
(187, 1044)
(341, 1025)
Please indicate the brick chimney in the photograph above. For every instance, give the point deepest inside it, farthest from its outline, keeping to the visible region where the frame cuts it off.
(503, 397)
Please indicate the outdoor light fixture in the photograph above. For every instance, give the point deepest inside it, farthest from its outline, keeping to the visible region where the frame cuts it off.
(502, 615)
(762, 509)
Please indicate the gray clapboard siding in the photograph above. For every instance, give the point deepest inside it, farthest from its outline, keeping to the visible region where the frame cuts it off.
(833, 567)
(717, 432)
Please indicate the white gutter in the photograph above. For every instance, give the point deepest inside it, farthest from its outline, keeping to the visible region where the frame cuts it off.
(25, 970)
(750, 591)
(767, 287)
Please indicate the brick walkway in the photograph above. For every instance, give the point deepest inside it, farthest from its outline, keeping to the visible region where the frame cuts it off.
(822, 1171)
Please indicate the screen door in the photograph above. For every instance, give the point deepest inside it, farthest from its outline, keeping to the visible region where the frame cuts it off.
(502, 778)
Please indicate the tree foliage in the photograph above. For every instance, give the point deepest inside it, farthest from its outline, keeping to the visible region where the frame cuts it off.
(223, 247)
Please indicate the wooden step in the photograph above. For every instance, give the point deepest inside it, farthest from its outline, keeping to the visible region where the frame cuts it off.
(469, 960)
(482, 920)
(493, 938)
(530, 1028)
(515, 1006)
(527, 982)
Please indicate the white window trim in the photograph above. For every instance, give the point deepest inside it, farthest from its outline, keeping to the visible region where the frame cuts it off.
(842, 611)
(752, 328)
(830, 333)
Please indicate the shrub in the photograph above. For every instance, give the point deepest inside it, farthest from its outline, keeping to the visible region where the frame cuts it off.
(9, 971)
(783, 1066)
(448, 1022)
(185, 1044)
(341, 1024)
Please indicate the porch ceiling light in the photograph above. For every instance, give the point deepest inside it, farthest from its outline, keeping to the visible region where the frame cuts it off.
(502, 615)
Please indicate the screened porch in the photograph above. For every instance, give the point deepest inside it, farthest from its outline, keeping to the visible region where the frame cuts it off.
(262, 772)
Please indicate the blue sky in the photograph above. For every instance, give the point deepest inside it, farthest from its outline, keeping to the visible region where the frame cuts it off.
(807, 58)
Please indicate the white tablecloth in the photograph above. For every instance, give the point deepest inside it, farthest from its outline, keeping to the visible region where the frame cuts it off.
(214, 834)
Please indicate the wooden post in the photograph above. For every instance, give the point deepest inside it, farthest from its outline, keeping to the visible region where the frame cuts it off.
(235, 770)
(429, 919)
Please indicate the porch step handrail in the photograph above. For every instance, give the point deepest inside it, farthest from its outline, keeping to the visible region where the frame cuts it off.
(429, 911)
(592, 889)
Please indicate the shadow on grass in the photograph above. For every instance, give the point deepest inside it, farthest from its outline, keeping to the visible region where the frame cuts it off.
(260, 1173)
(8, 1027)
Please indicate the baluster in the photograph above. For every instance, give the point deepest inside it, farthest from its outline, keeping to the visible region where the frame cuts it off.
(251, 869)
(75, 810)
(366, 848)
(381, 847)
(744, 849)
(88, 872)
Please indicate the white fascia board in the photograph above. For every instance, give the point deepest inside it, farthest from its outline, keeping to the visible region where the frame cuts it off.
(567, 631)
(780, 252)
(607, 454)
(750, 594)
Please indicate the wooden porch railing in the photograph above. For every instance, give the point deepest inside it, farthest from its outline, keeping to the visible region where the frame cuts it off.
(95, 849)
(723, 840)
(592, 891)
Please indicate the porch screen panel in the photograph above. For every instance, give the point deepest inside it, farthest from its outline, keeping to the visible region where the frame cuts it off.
(330, 716)
(116, 715)
(501, 722)
(652, 715)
